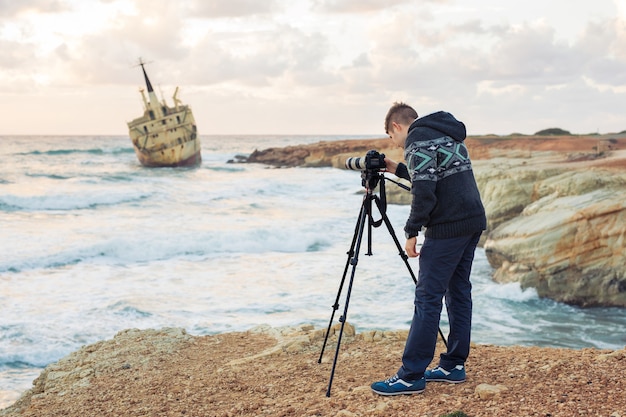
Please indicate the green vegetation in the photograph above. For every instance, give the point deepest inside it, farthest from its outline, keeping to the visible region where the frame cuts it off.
(455, 414)
(553, 131)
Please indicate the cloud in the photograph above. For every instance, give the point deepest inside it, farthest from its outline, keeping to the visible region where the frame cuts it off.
(15, 55)
(231, 8)
(531, 54)
(604, 44)
(355, 6)
(11, 8)
(220, 63)
(151, 30)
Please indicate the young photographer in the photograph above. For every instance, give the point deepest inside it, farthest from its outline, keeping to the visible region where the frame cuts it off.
(447, 203)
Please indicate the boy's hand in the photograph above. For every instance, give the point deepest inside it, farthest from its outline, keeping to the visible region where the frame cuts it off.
(411, 247)
(391, 165)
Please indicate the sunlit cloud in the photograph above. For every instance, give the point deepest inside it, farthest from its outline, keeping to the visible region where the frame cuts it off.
(315, 66)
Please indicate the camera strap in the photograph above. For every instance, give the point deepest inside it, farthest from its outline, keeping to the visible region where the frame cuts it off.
(381, 202)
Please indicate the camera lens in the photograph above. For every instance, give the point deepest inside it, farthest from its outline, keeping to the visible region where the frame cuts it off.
(355, 163)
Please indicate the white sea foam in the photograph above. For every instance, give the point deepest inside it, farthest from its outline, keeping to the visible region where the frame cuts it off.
(511, 291)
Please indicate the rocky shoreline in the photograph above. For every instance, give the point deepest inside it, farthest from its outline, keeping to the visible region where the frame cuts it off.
(275, 372)
(556, 207)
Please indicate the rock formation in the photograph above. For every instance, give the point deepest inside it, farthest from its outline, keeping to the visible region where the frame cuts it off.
(323, 154)
(559, 230)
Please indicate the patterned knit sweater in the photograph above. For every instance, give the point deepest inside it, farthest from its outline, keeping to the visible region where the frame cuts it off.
(445, 197)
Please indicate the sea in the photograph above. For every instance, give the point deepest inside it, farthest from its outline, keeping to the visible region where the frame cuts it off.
(93, 243)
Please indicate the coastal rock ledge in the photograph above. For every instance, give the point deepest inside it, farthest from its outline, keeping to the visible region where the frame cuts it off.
(275, 372)
(556, 208)
(560, 231)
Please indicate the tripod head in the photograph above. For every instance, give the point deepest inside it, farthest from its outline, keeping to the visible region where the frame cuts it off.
(370, 178)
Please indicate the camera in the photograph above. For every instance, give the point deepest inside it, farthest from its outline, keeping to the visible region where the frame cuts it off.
(372, 161)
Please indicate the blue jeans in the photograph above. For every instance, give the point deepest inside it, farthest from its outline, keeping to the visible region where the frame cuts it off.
(445, 267)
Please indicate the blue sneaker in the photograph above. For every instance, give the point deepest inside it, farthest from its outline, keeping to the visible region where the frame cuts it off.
(455, 375)
(398, 386)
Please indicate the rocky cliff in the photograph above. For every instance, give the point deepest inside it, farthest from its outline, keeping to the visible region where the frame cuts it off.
(556, 229)
(556, 208)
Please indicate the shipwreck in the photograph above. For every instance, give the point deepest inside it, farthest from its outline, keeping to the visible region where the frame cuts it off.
(164, 136)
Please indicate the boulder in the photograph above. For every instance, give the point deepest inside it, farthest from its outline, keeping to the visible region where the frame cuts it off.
(488, 392)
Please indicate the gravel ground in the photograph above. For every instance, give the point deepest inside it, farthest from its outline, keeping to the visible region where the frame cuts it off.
(276, 373)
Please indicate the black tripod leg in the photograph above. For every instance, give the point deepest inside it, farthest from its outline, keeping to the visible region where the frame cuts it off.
(343, 278)
(370, 222)
(402, 253)
(355, 260)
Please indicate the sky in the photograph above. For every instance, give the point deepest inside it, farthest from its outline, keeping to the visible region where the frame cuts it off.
(69, 67)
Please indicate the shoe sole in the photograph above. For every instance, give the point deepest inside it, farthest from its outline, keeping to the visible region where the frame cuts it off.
(450, 381)
(397, 393)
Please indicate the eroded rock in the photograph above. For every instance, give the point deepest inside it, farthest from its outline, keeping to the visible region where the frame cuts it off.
(568, 240)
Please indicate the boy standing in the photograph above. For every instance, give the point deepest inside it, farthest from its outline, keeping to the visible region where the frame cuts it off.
(447, 203)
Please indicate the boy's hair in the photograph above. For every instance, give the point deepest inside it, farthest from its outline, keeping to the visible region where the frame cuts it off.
(399, 113)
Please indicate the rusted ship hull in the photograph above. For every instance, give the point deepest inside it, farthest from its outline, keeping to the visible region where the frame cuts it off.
(175, 160)
(164, 136)
(171, 141)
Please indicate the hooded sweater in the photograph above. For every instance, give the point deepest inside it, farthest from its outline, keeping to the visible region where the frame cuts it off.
(446, 200)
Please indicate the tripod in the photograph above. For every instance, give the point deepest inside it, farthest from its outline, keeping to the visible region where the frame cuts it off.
(369, 180)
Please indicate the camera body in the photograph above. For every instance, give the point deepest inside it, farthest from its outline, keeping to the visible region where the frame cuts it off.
(370, 166)
(372, 161)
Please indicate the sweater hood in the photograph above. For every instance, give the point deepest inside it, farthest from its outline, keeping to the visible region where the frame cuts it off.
(444, 123)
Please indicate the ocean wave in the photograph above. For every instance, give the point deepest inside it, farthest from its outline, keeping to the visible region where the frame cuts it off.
(123, 309)
(69, 202)
(31, 353)
(48, 176)
(155, 247)
(230, 168)
(91, 151)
